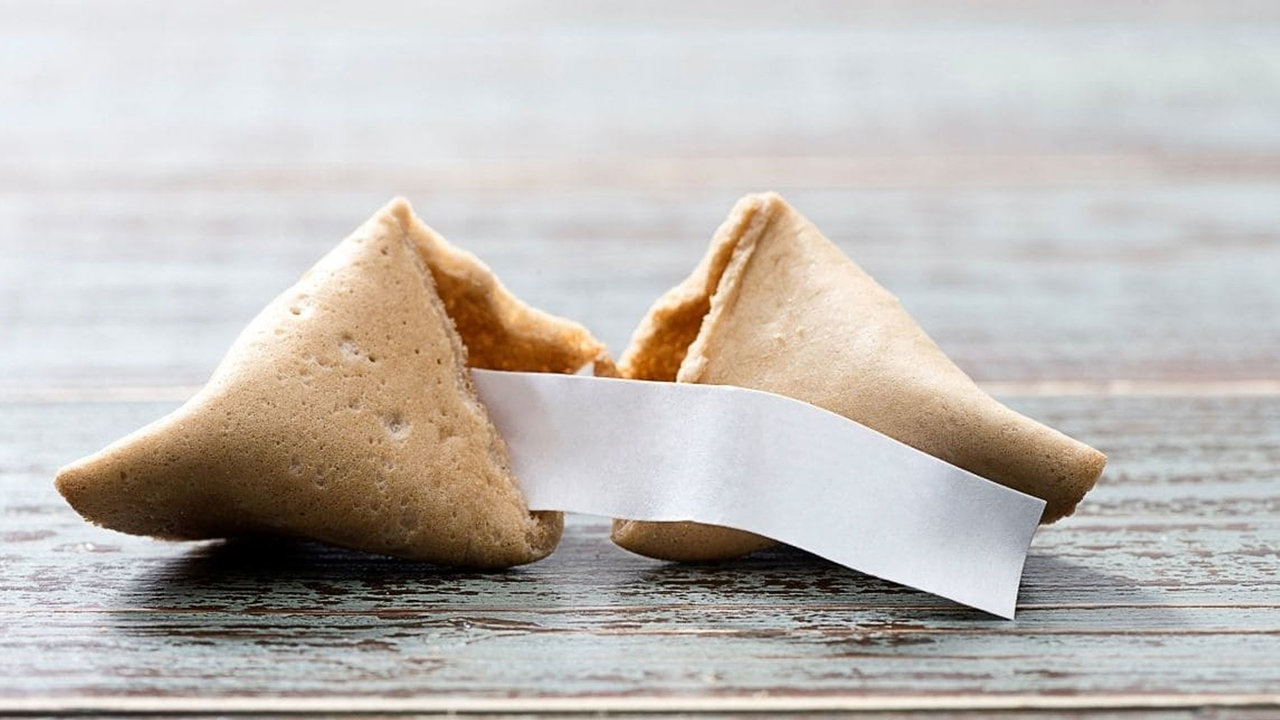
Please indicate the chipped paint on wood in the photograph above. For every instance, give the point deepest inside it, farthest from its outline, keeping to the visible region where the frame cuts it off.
(1098, 225)
(1163, 583)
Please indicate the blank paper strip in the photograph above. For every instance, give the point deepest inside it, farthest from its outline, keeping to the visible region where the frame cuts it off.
(768, 464)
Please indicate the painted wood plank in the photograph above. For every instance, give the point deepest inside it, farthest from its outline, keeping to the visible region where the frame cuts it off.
(1144, 706)
(1160, 281)
(1068, 195)
(1164, 584)
(109, 87)
(1113, 200)
(561, 647)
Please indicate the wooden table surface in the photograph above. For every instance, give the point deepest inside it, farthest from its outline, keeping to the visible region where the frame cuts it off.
(1080, 201)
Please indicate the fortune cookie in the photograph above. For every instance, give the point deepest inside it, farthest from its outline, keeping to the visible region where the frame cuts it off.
(344, 413)
(776, 306)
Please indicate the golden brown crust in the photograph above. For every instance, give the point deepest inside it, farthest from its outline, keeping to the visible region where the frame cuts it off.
(791, 314)
(344, 413)
(658, 351)
(659, 344)
(499, 330)
(686, 541)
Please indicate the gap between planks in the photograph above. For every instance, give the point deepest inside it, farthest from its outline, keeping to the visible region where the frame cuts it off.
(884, 630)
(752, 703)
(1032, 388)
(828, 607)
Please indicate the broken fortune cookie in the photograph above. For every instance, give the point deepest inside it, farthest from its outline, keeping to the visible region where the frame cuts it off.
(344, 413)
(776, 306)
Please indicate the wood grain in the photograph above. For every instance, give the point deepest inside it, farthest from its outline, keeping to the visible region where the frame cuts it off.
(120, 88)
(1168, 282)
(1080, 201)
(1079, 193)
(1163, 584)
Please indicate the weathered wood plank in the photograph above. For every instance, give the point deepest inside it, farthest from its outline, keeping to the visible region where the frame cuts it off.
(1144, 706)
(192, 85)
(1158, 281)
(1164, 583)
(1113, 200)
(1060, 191)
(1202, 712)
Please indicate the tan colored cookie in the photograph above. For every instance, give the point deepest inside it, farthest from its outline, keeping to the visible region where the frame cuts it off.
(776, 306)
(344, 413)
(500, 331)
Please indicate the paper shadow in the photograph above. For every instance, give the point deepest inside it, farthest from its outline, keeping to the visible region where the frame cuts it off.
(788, 576)
(1055, 581)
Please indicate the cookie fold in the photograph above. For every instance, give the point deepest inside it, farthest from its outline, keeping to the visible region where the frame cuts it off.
(344, 413)
(776, 306)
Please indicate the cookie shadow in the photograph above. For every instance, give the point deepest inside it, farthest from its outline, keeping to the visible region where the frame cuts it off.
(258, 574)
(278, 577)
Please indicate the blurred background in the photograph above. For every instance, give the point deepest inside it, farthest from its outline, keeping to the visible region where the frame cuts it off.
(1082, 192)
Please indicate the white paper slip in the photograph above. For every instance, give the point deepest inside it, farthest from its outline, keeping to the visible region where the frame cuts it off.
(767, 464)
